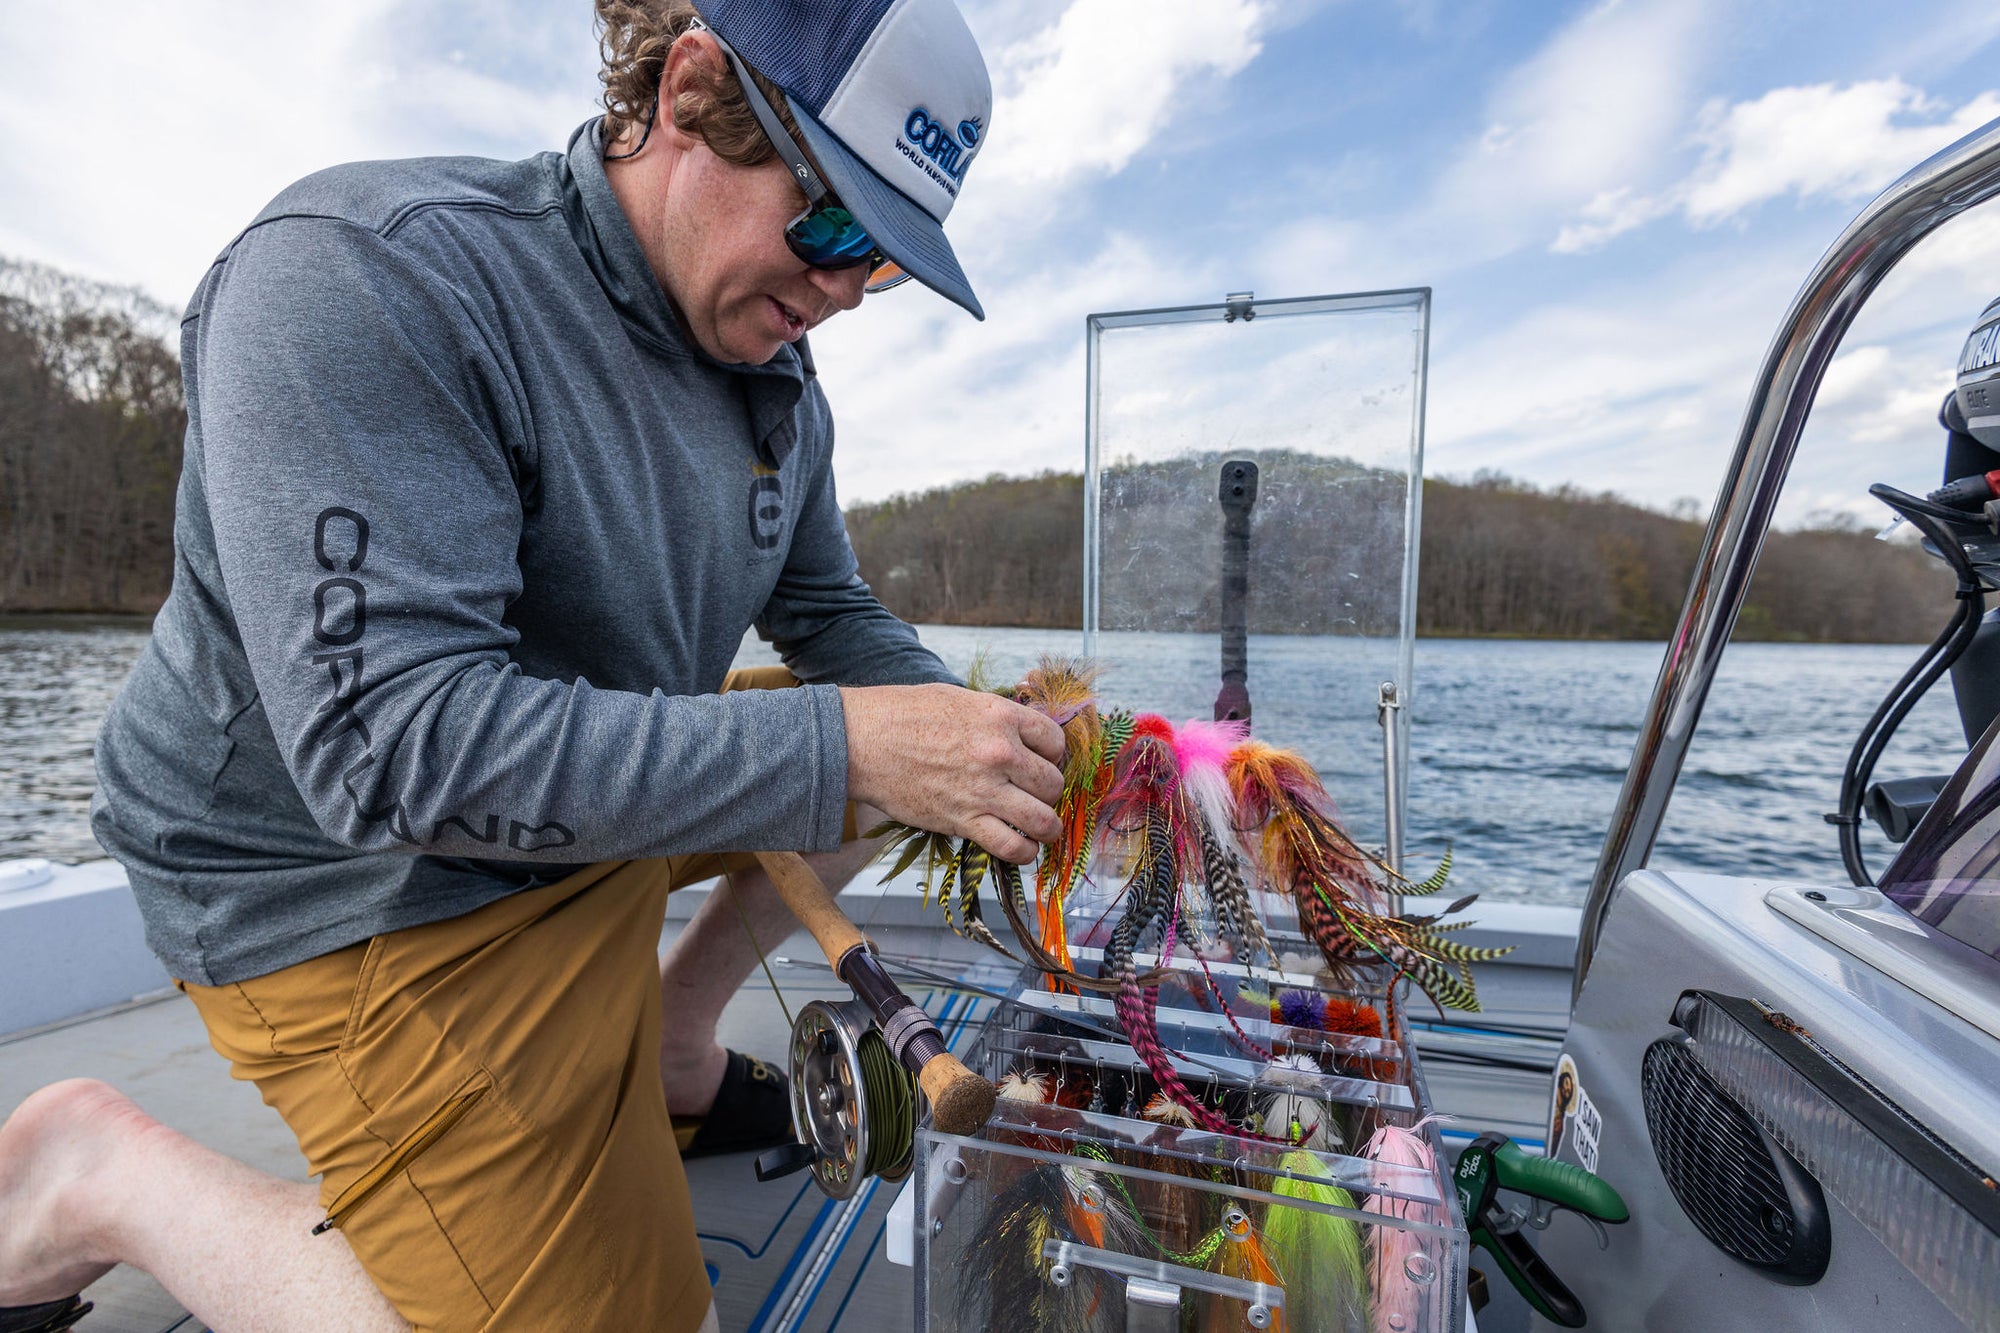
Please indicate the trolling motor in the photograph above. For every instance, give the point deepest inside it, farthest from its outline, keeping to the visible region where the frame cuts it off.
(1237, 494)
(1971, 418)
(1960, 522)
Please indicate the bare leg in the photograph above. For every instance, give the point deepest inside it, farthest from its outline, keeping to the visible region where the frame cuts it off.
(88, 1180)
(711, 958)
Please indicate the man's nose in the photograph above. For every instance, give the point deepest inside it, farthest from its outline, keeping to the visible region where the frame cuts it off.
(842, 286)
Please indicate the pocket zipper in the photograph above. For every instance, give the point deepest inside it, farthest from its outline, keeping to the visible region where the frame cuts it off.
(399, 1159)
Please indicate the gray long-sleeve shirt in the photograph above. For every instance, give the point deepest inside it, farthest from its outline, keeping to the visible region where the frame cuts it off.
(467, 535)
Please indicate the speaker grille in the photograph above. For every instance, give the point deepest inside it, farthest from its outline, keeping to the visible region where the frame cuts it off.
(1743, 1192)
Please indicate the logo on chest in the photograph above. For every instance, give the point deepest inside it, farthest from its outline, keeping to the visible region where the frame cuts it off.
(767, 507)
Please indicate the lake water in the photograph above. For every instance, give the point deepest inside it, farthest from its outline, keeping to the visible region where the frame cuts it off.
(1517, 748)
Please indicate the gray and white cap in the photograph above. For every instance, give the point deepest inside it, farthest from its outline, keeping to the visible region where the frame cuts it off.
(893, 100)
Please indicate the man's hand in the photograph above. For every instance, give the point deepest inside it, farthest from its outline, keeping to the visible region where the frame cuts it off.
(956, 761)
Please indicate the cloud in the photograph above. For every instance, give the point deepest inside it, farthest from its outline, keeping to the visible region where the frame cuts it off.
(1640, 384)
(1581, 125)
(135, 160)
(1086, 95)
(1131, 165)
(1820, 141)
(1812, 142)
(1585, 115)
(1608, 214)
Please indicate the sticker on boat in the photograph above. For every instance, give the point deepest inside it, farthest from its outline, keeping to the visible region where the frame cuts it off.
(1574, 1123)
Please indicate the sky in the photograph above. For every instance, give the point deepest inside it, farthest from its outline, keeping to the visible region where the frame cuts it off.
(1613, 203)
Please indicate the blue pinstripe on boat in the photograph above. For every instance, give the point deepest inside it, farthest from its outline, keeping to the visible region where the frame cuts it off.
(954, 1031)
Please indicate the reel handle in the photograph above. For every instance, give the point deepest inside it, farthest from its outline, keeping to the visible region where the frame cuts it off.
(960, 1099)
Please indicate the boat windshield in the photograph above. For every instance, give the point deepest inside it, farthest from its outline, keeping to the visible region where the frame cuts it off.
(1948, 873)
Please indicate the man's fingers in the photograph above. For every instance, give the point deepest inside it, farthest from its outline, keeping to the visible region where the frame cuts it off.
(1002, 841)
(1037, 777)
(1032, 816)
(1041, 734)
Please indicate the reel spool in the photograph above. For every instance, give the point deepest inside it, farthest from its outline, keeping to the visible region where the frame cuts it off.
(854, 1108)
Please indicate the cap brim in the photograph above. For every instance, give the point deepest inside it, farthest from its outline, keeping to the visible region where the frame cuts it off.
(902, 230)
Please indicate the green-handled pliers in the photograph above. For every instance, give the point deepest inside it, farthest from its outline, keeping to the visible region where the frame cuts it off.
(1493, 1163)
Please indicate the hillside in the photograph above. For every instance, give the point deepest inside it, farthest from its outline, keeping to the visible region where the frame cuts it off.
(1498, 558)
(91, 420)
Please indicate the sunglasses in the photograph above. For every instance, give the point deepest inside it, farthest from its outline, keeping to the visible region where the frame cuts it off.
(826, 235)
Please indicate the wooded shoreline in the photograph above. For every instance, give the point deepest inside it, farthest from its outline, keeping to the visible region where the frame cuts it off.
(92, 417)
(1498, 559)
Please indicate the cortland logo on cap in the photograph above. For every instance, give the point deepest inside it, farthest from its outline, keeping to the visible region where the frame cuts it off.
(947, 153)
(914, 103)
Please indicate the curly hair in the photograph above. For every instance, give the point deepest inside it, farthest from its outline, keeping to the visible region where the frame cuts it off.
(635, 37)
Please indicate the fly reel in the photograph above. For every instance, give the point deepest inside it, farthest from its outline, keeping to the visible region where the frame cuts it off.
(854, 1107)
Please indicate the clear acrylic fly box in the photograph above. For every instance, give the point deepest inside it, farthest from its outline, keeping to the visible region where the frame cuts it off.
(1252, 500)
(1094, 1217)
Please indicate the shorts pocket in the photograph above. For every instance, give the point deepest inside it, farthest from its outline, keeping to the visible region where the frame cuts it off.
(407, 1151)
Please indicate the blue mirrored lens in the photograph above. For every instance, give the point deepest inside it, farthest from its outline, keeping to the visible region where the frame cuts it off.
(830, 236)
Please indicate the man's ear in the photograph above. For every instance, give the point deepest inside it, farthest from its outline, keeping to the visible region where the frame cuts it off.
(694, 63)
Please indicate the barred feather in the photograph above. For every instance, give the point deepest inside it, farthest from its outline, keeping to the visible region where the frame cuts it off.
(1063, 864)
(1461, 953)
(1148, 785)
(1013, 900)
(1235, 913)
(946, 898)
(1148, 896)
(1340, 898)
(971, 864)
(1153, 888)
(1237, 1037)
(1429, 885)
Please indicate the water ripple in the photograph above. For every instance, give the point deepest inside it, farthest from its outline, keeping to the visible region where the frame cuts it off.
(1517, 749)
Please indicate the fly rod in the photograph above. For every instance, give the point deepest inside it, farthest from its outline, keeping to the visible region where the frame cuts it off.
(960, 1099)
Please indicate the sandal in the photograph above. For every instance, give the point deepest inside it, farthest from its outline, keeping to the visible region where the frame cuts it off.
(48, 1317)
(752, 1110)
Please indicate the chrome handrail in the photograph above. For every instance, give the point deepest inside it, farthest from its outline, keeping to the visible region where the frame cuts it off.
(1955, 179)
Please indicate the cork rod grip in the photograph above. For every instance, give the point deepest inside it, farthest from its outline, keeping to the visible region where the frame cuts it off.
(809, 901)
(960, 1099)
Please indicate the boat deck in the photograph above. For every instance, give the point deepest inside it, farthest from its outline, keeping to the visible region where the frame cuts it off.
(782, 1256)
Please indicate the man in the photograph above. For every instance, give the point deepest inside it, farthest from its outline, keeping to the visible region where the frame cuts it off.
(489, 467)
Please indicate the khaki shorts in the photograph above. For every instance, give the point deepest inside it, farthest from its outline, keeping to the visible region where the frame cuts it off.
(481, 1098)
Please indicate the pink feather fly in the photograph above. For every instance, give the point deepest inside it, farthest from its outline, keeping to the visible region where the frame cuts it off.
(1399, 1303)
(1203, 750)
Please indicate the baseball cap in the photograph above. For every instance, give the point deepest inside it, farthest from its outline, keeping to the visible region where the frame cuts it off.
(891, 97)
